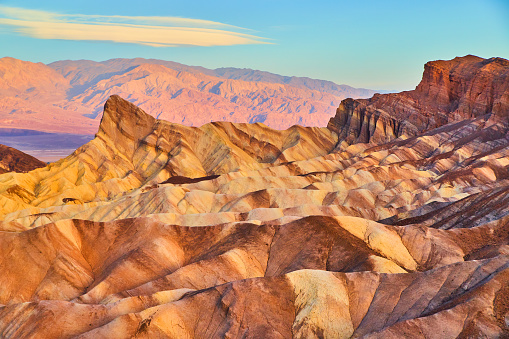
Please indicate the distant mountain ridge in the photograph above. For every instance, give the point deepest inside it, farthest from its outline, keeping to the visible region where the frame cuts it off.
(245, 74)
(68, 96)
(330, 87)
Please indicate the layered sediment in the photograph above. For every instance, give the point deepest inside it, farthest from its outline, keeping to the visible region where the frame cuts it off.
(155, 229)
(13, 160)
(453, 90)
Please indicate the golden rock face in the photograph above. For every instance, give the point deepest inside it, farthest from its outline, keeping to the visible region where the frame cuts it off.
(154, 229)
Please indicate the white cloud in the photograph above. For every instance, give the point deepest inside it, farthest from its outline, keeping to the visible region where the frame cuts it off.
(152, 31)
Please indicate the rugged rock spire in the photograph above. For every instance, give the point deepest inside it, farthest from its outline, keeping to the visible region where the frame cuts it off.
(124, 124)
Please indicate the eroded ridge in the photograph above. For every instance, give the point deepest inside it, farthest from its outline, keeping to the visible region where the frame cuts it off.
(154, 229)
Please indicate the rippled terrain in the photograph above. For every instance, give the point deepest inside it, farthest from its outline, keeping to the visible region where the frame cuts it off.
(392, 221)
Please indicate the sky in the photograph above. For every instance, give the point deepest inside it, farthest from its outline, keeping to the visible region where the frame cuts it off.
(364, 43)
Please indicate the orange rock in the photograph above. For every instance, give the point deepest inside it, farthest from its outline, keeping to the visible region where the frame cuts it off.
(453, 90)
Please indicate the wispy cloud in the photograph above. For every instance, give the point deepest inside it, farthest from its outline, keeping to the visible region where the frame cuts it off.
(154, 31)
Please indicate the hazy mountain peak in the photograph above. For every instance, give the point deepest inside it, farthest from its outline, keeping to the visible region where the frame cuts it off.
(68, 96)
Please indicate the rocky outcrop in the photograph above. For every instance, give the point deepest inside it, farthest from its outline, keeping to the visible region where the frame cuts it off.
(12, 160)
(465, 88)
(356, 123)
(454, 90)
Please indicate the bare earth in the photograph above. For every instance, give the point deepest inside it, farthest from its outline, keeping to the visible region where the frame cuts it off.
(13, 160)
(378, 226)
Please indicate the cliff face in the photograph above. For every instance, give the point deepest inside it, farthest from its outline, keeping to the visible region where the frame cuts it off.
(466, 87)
(452, 90)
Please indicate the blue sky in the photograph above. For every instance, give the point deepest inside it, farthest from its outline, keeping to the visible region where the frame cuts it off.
(371, 44)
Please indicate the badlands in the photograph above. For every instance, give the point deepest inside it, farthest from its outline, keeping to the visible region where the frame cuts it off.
(391, 222)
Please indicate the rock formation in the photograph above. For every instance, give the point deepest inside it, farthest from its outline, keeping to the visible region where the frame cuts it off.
(454, 90)
(155, 229)
(12, 160)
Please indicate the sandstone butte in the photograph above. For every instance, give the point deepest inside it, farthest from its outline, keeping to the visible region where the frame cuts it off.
(68, 96)
(368, 228)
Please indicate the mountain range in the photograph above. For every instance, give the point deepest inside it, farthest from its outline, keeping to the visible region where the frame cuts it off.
(67, 96)
(391, 222)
